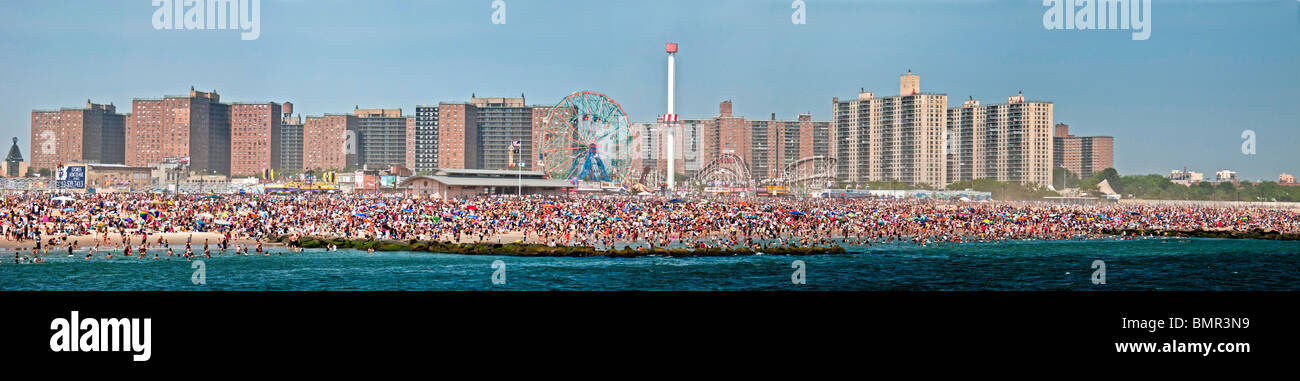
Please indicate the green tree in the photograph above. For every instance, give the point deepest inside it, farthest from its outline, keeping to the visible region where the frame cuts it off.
(1063, 178)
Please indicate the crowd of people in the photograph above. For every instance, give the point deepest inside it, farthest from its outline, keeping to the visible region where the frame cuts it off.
(72, 222)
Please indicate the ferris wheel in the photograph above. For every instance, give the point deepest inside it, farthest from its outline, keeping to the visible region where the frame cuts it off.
(587, 137)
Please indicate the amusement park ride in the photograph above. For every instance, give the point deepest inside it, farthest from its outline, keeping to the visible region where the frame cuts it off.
(587, 140)
(587, 137)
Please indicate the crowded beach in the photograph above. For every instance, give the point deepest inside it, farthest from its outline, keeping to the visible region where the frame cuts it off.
(161, 225)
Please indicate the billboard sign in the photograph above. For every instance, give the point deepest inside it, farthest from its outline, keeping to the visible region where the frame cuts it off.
(73, 176)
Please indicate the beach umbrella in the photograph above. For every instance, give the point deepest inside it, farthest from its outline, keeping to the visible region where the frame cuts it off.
(69, 209)
(796, 213)
(62, 198)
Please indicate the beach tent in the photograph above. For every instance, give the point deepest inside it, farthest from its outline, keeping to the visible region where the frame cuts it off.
(1104, 187)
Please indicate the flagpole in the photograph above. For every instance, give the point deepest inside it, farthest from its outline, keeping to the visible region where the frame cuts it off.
(518, 145)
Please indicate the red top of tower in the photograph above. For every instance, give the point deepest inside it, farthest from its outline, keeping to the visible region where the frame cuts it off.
(671, 47)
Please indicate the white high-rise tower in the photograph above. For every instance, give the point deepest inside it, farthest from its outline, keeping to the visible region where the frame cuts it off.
(670, 119)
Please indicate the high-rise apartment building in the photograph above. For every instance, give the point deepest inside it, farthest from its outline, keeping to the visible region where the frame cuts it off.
(255, 138)
(767, 146)
(291, 140)
(779, 143)
(891, 138)
(1010, 142)
(458, 136)
(326, 145)
(539, 121)
(651, 139)
(384, 137)
(196, 126)
(92, 134)
(727, 134)
(1082, 155)
(426, 139)
(690, 139)
(480, 134)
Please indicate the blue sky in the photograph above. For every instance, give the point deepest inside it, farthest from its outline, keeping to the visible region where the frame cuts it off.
(1181, 98)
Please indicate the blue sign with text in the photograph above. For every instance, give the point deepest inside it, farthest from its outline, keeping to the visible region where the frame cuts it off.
(72, 177)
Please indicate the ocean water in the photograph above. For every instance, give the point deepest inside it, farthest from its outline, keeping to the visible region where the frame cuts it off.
(1150, 264)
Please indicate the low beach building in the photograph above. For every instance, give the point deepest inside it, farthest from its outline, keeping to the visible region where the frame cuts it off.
(118, 177)
(464, 183)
